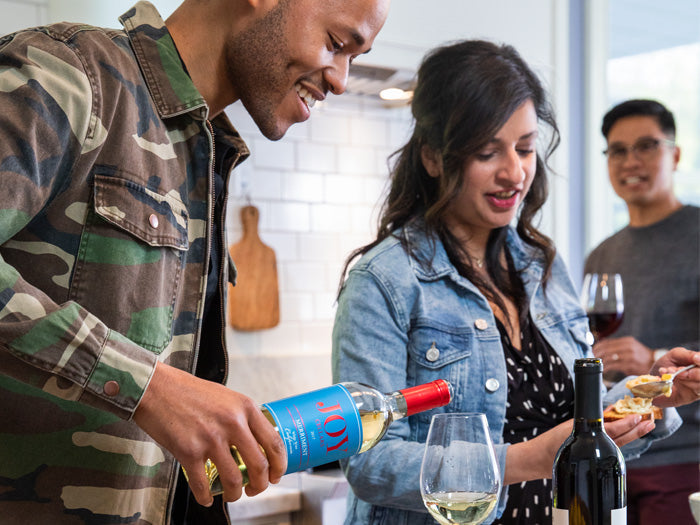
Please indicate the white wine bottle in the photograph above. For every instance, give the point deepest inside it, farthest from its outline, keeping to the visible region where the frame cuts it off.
(338, 421)
(588, 476)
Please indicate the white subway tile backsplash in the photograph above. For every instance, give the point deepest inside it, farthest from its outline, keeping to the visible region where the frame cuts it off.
(319, 247)
(315, 157)
(329, 128)
(352, 241)
(290, 216)
(369, 132)
(297, 307)
(243, 343)
(400, 131)
(306, 187)
(305, 277)
(319, 190)
(318, 336)
(286, 245)
(345, 189)
(324, 306)
(272, 154)
(364, 220)
(283, 340)
(376, 188)
(356, 160)
(263, 184)
(327, 218)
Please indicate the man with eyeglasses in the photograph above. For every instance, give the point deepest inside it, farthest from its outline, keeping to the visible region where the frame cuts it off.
(657, 254)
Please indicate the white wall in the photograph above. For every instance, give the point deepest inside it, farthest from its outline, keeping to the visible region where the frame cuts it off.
(104, 13)
(22, 13)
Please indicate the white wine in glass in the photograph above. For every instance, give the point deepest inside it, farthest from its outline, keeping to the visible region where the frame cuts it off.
(459, 481)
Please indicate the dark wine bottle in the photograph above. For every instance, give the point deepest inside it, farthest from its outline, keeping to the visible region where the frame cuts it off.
(588, 476)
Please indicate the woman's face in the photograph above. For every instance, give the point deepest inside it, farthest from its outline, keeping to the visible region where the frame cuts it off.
(496, 179)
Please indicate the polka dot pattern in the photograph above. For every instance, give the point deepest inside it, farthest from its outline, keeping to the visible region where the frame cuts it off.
(540, 396)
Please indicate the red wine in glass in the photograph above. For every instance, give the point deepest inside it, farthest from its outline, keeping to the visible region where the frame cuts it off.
(604, 324)
(602, 300)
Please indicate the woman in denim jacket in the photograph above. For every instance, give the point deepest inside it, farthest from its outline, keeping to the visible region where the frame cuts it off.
(449, 289)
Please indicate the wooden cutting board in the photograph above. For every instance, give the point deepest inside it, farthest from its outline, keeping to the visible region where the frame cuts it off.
(253, 303)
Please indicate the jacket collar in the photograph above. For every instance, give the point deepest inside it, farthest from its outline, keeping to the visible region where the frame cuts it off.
(426, 246)
(170, 85)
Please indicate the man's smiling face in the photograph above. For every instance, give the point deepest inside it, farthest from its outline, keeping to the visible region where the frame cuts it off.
(296, 53)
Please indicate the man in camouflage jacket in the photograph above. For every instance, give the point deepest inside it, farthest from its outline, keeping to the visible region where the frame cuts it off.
(108, 224)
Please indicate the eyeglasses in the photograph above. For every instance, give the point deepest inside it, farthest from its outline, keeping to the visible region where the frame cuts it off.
(643, 149)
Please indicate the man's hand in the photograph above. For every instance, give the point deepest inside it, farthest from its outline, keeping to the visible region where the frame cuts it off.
(686, 386)
(625, 354)
(196, 419)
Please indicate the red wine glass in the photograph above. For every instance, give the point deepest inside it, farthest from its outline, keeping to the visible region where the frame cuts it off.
(603, 302)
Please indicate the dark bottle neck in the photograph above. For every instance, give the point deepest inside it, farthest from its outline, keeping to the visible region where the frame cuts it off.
(588, 407)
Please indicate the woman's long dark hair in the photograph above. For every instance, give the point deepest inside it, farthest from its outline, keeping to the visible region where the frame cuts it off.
(465, 92)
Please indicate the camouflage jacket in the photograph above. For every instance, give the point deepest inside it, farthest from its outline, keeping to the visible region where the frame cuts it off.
(106, 162)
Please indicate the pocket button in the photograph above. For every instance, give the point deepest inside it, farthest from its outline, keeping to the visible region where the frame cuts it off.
(492, 384)
(481, 324)
(433, 353)
(153, 221)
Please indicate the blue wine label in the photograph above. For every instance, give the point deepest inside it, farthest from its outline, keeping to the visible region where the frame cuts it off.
(317, 427)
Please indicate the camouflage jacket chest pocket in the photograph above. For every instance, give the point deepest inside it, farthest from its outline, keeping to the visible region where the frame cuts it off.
(131, 259)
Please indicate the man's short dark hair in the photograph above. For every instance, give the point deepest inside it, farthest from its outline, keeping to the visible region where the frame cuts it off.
(641, 107)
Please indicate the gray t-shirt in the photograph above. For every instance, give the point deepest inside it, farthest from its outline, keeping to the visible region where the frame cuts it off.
(660, 268)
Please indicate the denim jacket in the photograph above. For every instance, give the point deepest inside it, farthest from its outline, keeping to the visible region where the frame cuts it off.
(402, 322)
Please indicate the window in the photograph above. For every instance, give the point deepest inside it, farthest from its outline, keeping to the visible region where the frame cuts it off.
(654, 52)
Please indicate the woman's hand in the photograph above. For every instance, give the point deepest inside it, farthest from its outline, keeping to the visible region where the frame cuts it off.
(626, 430)
(533, 459)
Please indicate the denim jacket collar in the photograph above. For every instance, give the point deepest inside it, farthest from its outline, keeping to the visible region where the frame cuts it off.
(426, 246)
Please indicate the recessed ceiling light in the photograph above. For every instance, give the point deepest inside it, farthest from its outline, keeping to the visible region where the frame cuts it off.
(395, 94)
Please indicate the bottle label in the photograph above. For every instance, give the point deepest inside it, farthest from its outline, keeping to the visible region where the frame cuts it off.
(617, 516)
(317, 427)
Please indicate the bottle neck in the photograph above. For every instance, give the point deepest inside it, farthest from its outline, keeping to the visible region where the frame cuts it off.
(588, 407)
(423, 397)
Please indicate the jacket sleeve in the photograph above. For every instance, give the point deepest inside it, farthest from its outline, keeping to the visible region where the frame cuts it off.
(47, 122)
(369, 344)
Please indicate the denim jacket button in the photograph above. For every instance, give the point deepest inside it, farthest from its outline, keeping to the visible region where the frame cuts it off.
(432, 354)
(481, 324)
(153, 221)
(492, 384)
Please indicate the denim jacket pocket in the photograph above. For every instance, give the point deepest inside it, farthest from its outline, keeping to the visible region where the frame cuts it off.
(131, 258)
(433, 346)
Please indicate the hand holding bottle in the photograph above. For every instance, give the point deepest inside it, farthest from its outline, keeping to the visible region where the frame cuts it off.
(196, 419)
(332, 423)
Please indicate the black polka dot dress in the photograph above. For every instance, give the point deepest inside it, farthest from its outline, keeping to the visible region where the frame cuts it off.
(540, 396)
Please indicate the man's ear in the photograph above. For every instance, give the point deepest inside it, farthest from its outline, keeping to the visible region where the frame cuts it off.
(432, 162)
(676, 156)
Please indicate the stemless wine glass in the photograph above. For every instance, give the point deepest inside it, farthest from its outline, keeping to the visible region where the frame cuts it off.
(459, 478)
